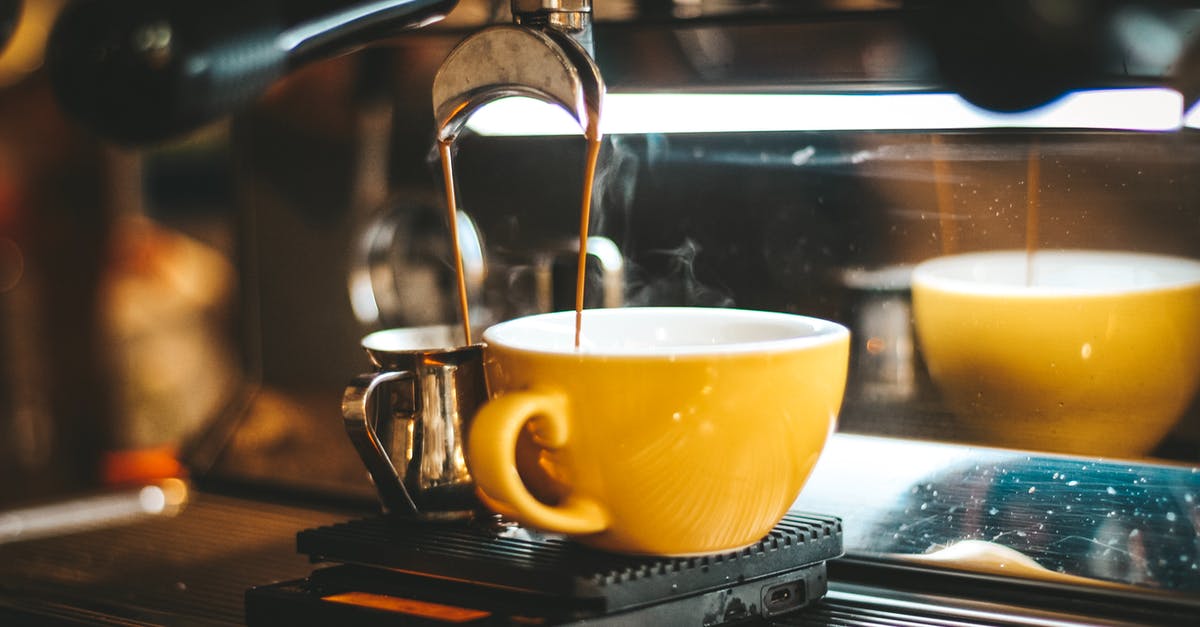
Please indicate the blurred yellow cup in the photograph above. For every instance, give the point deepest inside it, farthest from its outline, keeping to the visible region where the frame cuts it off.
(1086, 352)
(670, 431)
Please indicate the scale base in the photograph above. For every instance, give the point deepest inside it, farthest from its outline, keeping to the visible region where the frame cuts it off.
(396, 572)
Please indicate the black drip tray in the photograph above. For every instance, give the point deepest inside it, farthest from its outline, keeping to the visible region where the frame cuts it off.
(506, 560)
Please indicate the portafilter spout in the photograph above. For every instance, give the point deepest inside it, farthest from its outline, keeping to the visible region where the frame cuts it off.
(544, 55)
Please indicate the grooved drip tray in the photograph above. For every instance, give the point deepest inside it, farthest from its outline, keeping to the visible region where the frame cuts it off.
(388, 570)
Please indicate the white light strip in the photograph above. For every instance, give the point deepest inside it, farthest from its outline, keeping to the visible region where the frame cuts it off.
(1143, 109)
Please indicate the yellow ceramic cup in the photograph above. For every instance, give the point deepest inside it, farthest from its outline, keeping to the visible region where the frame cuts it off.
(670, 431)
(1087, 352)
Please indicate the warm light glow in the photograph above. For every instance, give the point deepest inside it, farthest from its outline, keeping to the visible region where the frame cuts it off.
(26, 45)
(93, 512)
(1143, 109)
(175, 492)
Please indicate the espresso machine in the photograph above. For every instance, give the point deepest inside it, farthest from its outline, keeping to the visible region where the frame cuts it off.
(786, 156)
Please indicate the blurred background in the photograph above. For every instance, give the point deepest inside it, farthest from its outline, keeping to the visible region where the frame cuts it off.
(194, 302)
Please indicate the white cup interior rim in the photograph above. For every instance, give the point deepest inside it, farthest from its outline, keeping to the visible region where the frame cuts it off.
(1056, 272)
(664, 331)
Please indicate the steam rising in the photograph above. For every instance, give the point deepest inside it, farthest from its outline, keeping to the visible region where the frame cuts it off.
(679, 285)
(613, 202)
(616, 178)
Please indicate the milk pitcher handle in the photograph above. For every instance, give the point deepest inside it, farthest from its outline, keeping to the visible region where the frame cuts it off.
(491, 454)
(358, 407)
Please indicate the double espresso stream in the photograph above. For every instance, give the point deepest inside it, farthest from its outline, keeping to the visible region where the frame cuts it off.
(593, 137)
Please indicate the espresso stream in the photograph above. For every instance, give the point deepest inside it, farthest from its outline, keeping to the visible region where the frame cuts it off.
(1032, 201)
(593, 136)
(452, 213)
(946, 210)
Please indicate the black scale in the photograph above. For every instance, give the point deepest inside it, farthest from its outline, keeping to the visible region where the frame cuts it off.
(395, 572)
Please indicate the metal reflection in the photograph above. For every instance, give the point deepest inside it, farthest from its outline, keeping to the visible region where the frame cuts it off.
(120, 507)
(1064, 519)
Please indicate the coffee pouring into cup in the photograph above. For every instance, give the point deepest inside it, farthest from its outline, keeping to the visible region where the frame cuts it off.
(666, 431)
(414, 450)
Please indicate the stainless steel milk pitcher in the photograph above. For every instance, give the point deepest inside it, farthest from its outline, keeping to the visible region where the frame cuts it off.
(410, 417)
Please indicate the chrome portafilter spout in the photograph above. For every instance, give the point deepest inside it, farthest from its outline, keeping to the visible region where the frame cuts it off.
(545, 55)
(573, 17)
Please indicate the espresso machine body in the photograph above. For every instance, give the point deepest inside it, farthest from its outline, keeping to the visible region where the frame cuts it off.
(305, 183)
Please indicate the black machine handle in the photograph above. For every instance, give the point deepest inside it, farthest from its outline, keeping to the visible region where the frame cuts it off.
(140, 71)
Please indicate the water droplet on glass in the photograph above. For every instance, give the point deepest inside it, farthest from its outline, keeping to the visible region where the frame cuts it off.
(993, 511)
(1072, 483)
(1032, 490)
(801, 157)
(1111, 490)
(1171, 516)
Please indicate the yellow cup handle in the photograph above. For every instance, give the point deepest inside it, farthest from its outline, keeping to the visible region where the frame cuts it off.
(491, 456)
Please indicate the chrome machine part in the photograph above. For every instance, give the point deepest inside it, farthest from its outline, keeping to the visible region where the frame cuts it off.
(539, 57)
(412, 438)
(145, 70)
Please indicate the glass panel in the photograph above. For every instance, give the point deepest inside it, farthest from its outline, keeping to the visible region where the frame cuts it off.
(1038, 517)
(832, 225)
